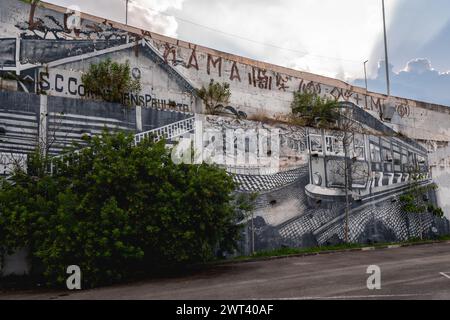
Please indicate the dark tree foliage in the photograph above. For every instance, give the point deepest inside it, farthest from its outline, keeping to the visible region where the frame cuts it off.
(117, 210)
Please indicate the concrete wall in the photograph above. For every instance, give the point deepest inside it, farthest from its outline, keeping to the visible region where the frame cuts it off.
(285, 215)
(28, 120)
(44, 60)
(257, 87)
(49, 58)
(19, 121)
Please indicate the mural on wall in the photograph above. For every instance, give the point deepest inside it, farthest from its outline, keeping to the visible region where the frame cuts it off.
(49, 39)
(38, 60)
(301, 199)
(66, 83)
(301, 203)
(50, 36)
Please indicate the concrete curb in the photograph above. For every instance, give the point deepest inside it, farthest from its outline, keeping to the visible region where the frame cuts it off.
(299, 255)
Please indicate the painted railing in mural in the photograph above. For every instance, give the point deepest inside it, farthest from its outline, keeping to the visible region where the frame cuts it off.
(168, 132)
(257, 170)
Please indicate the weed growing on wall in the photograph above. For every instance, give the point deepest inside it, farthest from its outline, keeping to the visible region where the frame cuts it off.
(110, 80)
(309, 109)
(413, 200)
(215, 96)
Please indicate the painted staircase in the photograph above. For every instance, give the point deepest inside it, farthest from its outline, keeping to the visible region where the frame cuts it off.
(170, 133)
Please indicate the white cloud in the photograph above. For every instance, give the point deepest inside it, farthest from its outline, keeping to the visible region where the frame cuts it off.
(147, 14)
(412, 29)
(329, 37)
(140, 14)
(417, 80)
(160, 5)
(419, 66)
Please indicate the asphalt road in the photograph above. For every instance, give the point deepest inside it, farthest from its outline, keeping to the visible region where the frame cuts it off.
(418, 272)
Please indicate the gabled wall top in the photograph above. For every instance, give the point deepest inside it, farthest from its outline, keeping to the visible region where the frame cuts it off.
(258, 88)
(239, 59)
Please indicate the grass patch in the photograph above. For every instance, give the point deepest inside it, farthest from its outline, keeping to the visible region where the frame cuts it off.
(340, 247)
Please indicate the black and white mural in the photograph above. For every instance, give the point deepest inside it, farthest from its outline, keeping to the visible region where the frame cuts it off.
(296, 172)
(48, 51)
(300, 201)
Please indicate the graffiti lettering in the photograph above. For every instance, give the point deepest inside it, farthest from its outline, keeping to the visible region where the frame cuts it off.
(48, 27)
(73, 87)
(72, 20)
(146, 33)
(59, 88)
(44, 84)
(166, 105)
(170, 50)
(336, 93)
(217, 63)
(64, 26)
(235, 72)
(281, 82)
(339, 94)
(347, 94)
(31, 22)
(310, 87)
(74, 82)
(403, 110)
(357, 98)
(193, 60)
(258, 78)
(375, 104)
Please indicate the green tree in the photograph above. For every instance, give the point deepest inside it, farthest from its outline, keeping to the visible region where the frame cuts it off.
(310, 109)
(413, 200)
(215, 96)
(117, 210)
(110, 80)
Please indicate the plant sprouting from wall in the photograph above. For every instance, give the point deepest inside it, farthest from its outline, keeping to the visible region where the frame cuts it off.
(414, 200)
(215, 96)
(110, 80)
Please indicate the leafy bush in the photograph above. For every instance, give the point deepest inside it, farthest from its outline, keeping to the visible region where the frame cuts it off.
(110, 80)
(117, 210)
(312, 110)
(410, 204)
(438, 212)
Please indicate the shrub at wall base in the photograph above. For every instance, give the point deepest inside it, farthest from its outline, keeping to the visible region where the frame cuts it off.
(117, 210)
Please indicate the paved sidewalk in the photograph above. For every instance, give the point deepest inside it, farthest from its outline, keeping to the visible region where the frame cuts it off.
(416, 272)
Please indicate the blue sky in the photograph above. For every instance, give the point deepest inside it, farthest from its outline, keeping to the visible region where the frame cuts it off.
(326, 37)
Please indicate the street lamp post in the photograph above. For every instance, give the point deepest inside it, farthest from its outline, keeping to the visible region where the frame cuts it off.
(365, 73)
(388, 84)
(126, 13)
(365, 78)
